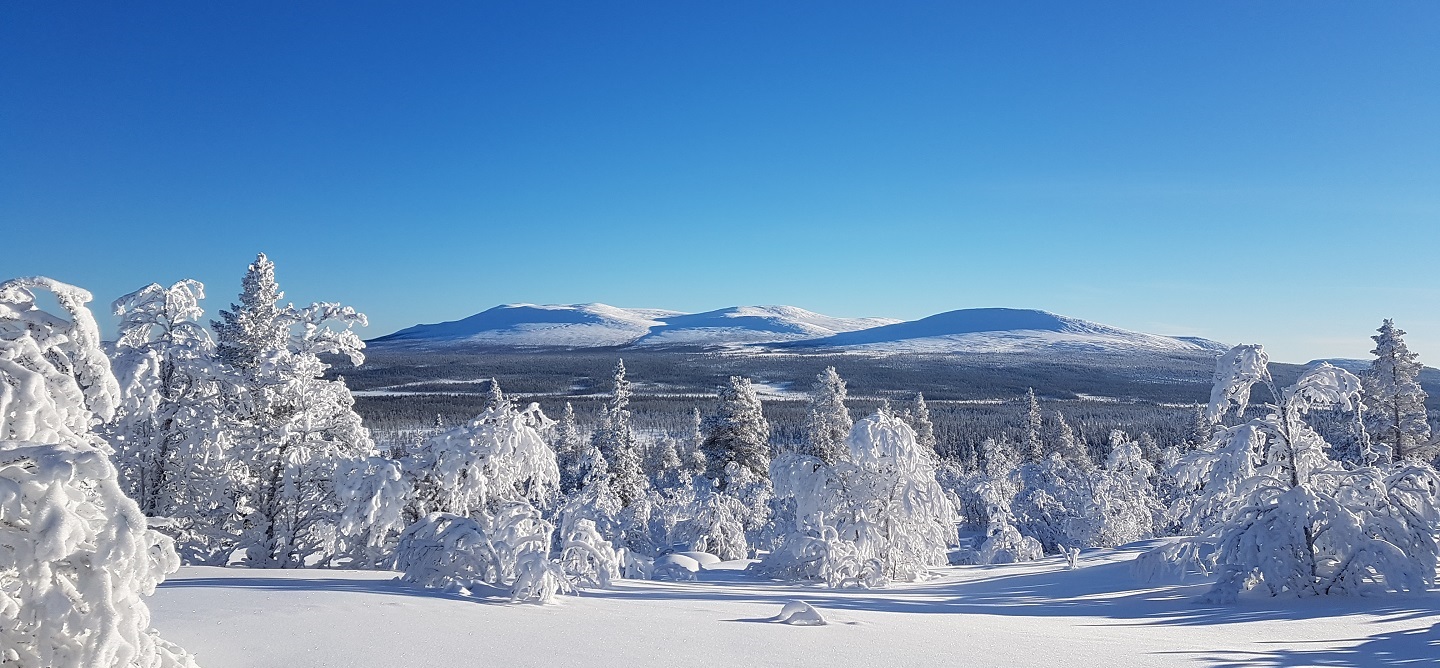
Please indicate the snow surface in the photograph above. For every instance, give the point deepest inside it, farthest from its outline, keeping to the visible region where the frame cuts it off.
(1032, 614)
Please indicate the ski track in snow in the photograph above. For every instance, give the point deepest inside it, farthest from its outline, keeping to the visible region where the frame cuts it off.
(1034, 614)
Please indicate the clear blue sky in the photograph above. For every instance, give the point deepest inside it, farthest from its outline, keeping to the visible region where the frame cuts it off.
(1247, 171)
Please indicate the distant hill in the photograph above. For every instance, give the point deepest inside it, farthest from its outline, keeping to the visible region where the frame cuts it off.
(591, 326)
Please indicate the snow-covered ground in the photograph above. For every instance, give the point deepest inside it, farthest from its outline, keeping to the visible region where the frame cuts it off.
(1035, 614)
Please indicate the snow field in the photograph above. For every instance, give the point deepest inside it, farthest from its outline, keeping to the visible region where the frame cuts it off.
(1032, 614)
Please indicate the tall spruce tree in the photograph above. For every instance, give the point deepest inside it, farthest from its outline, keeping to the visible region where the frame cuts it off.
(292, 427)
(830, 421)
(1394, 401)
(616, 441)
(737, 434)
(1034, 443)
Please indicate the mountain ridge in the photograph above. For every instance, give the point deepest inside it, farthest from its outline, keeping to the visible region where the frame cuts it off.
(594, 325)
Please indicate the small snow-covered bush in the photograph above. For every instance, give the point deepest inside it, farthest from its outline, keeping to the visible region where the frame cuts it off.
(449, 552)
(587, 559)
(507, 550)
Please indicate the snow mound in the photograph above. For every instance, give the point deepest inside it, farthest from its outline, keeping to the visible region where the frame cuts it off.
(799, 613)
(675, 567)
(704, 560)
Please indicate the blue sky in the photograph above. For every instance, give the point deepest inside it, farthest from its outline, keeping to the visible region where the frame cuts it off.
(1258, 172)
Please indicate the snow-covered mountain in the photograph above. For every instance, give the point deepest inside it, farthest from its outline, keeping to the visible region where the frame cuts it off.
(1005, 330)
(988, 330)
(603, 326)
(539, 326)
(753, 324)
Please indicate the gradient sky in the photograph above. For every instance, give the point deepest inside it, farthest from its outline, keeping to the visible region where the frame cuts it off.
(1246, 171)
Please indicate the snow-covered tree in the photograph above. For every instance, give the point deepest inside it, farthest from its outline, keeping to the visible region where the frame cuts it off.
(373, 495)
(569, 446)
(1055, 503)
(76, 559)
(881, 497)
(1034, 443)
(495, 398)
(616, 440)
(1069, 447)
(737, 435)
(507, 550)
(1280, 515)
(667, 471)
(171, 447)
(997, 488)
(1125, 507)
(830, 422)
(498, 457)
(292, 427)
(587, 559)
(1394, 402)
(694, 455)
(919, 420)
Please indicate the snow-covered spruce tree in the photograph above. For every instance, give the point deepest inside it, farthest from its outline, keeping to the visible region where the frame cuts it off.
(919, 420)
(616, 440)
(667, 470)
(569, 445)
(879, 505)
(830, 422)
(694, 454)
(292, 427)
(737, 440)
(1394, 401)
(76, 559)
(171, 447)
(737, 452)
(1069, 447)
(1285, 518)
(1034, 443)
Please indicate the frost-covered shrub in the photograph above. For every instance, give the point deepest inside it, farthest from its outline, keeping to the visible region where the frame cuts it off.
(716, 523)
(373, 493)
(507, 550)
(76, 558)
(498, 456)
(587, 559)
(1276, 513)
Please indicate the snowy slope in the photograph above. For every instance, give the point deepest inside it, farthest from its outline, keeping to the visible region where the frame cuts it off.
(753, 324)
(599, 326)
(1004, 330)
(1033, 614)
(533, 325)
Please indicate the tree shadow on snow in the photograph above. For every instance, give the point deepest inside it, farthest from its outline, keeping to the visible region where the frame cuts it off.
(326, 584)
(1105, 590)
(1411, 647)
